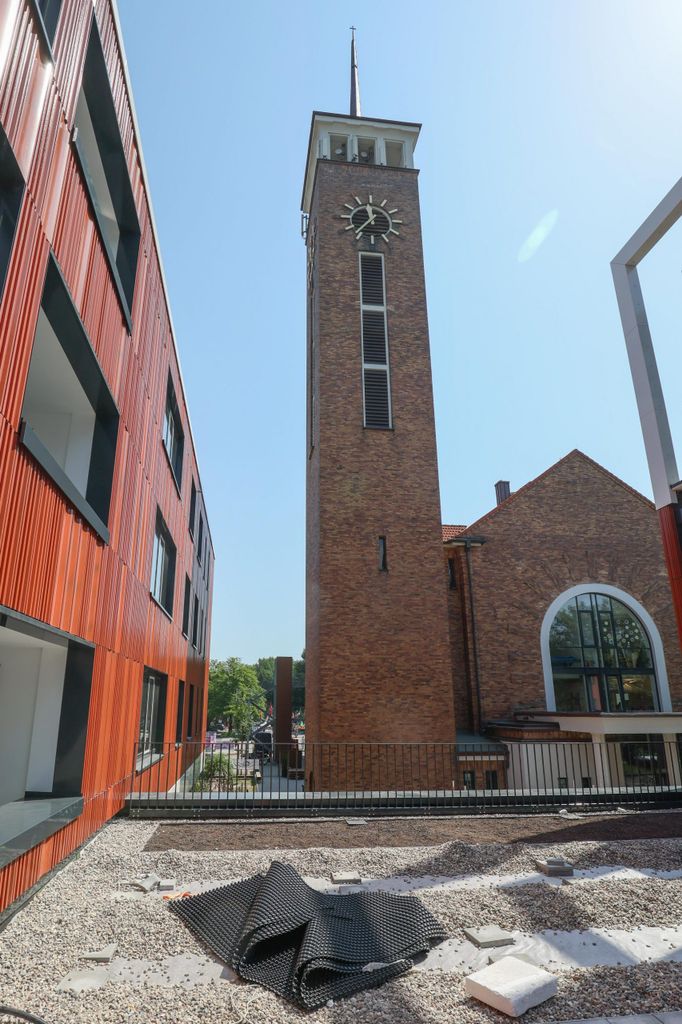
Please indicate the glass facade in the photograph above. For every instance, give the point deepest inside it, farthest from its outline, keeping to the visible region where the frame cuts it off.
(601, 657)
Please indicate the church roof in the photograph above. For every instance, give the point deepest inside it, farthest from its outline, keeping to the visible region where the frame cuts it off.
(572, 456)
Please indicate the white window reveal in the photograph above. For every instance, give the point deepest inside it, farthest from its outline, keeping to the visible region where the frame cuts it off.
(375, 367)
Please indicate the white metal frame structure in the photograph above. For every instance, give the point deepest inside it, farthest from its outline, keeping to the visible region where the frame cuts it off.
(648, 391)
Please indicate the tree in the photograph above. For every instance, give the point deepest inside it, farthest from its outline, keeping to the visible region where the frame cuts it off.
(235, 695)
(265, 670)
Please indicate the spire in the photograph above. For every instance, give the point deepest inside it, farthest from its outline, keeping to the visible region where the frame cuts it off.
(355, 110)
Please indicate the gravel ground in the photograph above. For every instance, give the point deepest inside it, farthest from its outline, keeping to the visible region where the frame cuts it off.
(417, 831)
(88, 905)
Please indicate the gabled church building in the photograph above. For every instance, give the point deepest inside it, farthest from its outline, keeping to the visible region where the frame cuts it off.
(547, 621)
(562, 629)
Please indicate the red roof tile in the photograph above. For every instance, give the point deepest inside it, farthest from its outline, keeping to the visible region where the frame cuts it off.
(450, 532)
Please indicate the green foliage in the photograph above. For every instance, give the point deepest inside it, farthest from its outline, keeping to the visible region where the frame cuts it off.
(217, 773)
(235, 696)
(265, 670)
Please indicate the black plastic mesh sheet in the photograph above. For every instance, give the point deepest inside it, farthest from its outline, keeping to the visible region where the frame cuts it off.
(308, 946)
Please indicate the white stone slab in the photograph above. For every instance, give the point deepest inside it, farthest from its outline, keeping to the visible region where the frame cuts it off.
(488, 936)
(346, 878)
(511, 986)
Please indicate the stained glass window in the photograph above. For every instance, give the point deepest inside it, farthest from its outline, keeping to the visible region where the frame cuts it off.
(601, 657)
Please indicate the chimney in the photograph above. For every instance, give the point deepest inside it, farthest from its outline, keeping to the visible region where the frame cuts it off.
(502, 491)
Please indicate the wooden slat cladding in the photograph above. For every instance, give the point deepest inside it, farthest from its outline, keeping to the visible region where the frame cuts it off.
(53, 567)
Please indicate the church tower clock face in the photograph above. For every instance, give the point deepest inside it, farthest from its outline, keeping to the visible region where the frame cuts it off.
(372, 219)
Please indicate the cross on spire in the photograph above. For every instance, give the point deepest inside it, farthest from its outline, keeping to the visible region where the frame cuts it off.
(354, 78)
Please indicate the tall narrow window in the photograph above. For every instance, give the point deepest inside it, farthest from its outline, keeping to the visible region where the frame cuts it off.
(192, 507)
(102, 157)
(179, 714)
(190, 713)
(173, 435)
(195, 622)
(383, 555)
(163, 566)
(200, 539)
(375, 369)
(152, 717)
(11, 192)
(186, 607)
(452, 575)
(47, 14)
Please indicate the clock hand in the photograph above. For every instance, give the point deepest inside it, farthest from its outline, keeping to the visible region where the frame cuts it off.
(363, 226)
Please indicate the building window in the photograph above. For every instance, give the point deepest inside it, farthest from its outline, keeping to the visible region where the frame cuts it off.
(47, 16)
(11, 194)
(601, 657)
(152, 718)
(180, 711)
(452, 575)
(173, 434)
(163, 566)
(195, 622)
(383, 555)
(491, 779)
(469, 780)
(186, 606)
(190, 713)
(200, 539)
(69, 418)
(375, 369)
(367, 151)
(395, 153)
(97, 140)
(192, 507)
(339, 147)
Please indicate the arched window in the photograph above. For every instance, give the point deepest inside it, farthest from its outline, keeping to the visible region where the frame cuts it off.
(601, 657)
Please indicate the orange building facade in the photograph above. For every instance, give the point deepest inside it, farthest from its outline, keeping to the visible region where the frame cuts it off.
(106, 561)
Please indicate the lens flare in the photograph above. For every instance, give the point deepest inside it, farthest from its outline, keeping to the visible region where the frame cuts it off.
(538, 235)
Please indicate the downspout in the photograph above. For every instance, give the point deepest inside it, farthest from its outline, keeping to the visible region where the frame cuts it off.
(468, 543)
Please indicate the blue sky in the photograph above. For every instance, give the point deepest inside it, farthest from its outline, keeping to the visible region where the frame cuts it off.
(551, 129)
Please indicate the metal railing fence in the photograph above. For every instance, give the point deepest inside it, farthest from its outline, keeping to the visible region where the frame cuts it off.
(231, 778)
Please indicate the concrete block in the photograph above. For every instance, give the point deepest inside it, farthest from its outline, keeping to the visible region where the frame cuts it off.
(555, 867)
(668, 1017)
(511, 986)
(167, 884)
(84, 980)
(145, 882)
(488, 936)
(102, 956)
(356, 821)
(346, 878)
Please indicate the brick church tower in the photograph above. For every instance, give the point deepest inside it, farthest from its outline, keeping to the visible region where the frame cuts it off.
(377, 658)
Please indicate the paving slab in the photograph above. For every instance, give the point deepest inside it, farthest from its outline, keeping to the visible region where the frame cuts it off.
(488, 936)
(346, 878)
(669, 1017)
(638, 1018)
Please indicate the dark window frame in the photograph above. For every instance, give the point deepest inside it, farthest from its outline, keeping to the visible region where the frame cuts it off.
(172, 414)
(191, 711)
(60, 309)
(95, 83)
(200, 538)
(47, 30)
(180, 711)
(192, 507)
(186, 606)
(163, 536)
(155, 713)
(195, 622)
(12, 187)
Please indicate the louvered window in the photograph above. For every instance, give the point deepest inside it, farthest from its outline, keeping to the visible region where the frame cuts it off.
(375, 369)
